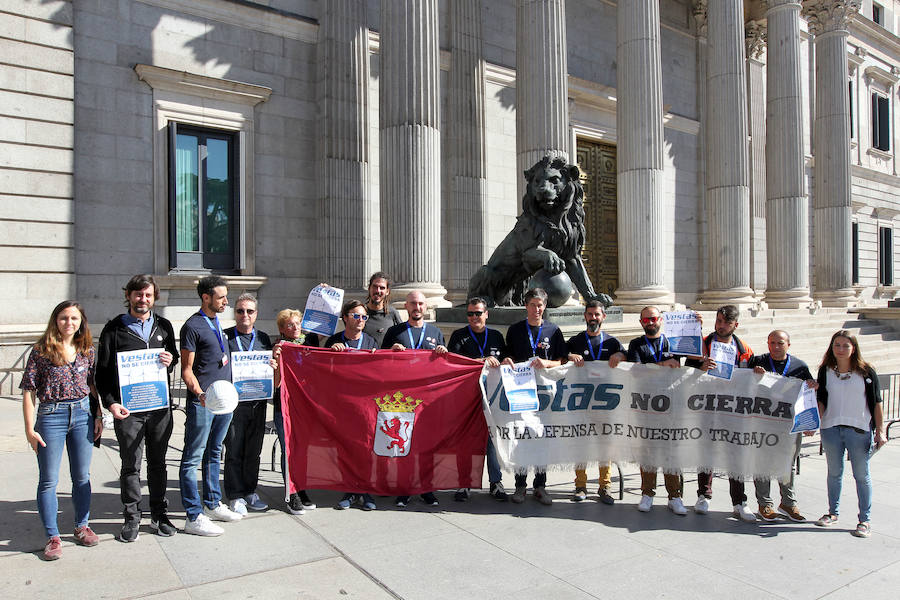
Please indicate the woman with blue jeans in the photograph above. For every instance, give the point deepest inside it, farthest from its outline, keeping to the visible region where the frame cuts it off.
(850, 409)
(59, 376)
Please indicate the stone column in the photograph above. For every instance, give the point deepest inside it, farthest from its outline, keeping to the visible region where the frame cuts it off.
(410, 148)
(727, 164)
(344, 208)
(754, 46)
(787, 216)
(542, 109)
(639, 112)
(828, 21)
(466, 225)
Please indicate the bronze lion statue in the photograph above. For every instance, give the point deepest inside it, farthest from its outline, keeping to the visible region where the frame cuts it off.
(549, 235)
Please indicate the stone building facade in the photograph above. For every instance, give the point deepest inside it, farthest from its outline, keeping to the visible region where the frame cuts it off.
(733, 150)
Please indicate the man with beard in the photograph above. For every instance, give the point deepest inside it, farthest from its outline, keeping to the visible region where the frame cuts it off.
(478, 342)
(589, 345)
(653, 348)
(138, 329)
(726, 322)
(205, 358)
(382, 315)
(415, 334)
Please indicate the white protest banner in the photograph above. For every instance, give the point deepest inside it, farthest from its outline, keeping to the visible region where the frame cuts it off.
(252, 375)
(323, 307)
(683, 330)
(806, 411)
(724, 355)
(521, 390)
(143, 381)
(648, 415)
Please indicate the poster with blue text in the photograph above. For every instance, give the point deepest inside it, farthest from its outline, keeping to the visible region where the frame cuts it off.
(143, 380)
(252, 375)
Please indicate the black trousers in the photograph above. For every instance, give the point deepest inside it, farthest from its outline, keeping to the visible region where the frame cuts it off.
(153, 430)
(243, 445)
(735, 488)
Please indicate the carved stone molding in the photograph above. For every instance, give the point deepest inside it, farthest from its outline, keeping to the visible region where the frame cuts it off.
(699, 10)
(829, 15)
(754, 38)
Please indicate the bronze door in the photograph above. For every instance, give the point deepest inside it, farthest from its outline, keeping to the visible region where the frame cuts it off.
(601, 248)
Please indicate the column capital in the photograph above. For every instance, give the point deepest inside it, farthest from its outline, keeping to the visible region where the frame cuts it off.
(825, 16)
(755, 38)
(699, 9)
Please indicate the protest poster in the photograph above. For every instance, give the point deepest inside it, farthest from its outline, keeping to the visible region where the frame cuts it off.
(521, 389)
(143, 380)
(251, 374)
(323, 309)
(683, 330)
(806, 411)
(724, 355)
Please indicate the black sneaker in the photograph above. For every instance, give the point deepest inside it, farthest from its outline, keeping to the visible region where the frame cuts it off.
(498, 493)
(163, 526)
(130, 531)
(402, 501)
(461, 495)
(430, 499)
(304, 499)
(294, 505)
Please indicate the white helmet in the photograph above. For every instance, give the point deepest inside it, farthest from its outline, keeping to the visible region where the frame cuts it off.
(221, 397)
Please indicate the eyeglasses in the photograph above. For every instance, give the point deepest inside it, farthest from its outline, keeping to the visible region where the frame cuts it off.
(647, 320)
(474, 313)
(359, 317)
(242, 311)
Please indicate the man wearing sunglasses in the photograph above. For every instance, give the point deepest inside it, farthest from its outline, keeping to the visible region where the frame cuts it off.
(244, 440)
(415, 334)
(726, 323)
(478, 342)
(589, 345)
(353, 337)
(653, 348)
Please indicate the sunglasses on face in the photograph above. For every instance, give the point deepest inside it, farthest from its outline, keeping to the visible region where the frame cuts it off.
(647, 320)
(474, 313)
(360, 317)
(245, 311)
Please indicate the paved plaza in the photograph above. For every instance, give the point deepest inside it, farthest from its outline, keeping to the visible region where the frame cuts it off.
(479, 549)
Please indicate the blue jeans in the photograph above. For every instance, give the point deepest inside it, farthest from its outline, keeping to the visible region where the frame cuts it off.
(203, 435)
(835, 440)
(493, 464)
(69, 425)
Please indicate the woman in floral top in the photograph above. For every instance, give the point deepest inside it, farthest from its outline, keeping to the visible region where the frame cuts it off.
(59, 382)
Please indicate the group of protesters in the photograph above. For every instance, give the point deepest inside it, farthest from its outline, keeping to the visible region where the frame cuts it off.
(67, 384)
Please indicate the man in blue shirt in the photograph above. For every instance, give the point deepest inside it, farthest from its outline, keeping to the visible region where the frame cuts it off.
(205, 358)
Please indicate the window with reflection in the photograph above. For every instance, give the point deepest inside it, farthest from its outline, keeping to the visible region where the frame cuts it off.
(203, 203)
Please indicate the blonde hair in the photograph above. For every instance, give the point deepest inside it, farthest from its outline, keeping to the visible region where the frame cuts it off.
(50, 345)
(286, 315)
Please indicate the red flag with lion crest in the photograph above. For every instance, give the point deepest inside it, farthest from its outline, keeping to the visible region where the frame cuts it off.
(388, 423)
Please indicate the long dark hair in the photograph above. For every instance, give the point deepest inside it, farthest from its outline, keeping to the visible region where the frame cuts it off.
(51, 345)
(857, 363)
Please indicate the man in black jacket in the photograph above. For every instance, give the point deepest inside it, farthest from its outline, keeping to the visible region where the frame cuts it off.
(138, 329)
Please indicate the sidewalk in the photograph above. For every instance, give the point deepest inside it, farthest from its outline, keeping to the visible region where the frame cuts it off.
(479, 549)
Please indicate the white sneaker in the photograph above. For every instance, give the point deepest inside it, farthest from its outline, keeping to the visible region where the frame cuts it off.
(202, 526)
(645, 504)
(221, 513)
(239, 506)
(701, 507)
(743, 513)
(677, 506)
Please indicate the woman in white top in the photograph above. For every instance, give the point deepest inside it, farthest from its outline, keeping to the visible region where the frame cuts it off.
(850, 409)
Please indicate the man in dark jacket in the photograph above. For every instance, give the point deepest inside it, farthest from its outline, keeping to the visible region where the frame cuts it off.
(138, 329)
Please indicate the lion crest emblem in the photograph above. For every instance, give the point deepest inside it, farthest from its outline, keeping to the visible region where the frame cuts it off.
(548, 235)
(394, 424)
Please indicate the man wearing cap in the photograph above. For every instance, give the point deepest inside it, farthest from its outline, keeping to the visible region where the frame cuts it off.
(244, 440)
(138, 329)
(479, 342)
(205, 358)
(590, 345)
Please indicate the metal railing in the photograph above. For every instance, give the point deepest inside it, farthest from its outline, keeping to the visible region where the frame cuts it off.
(890, 399)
